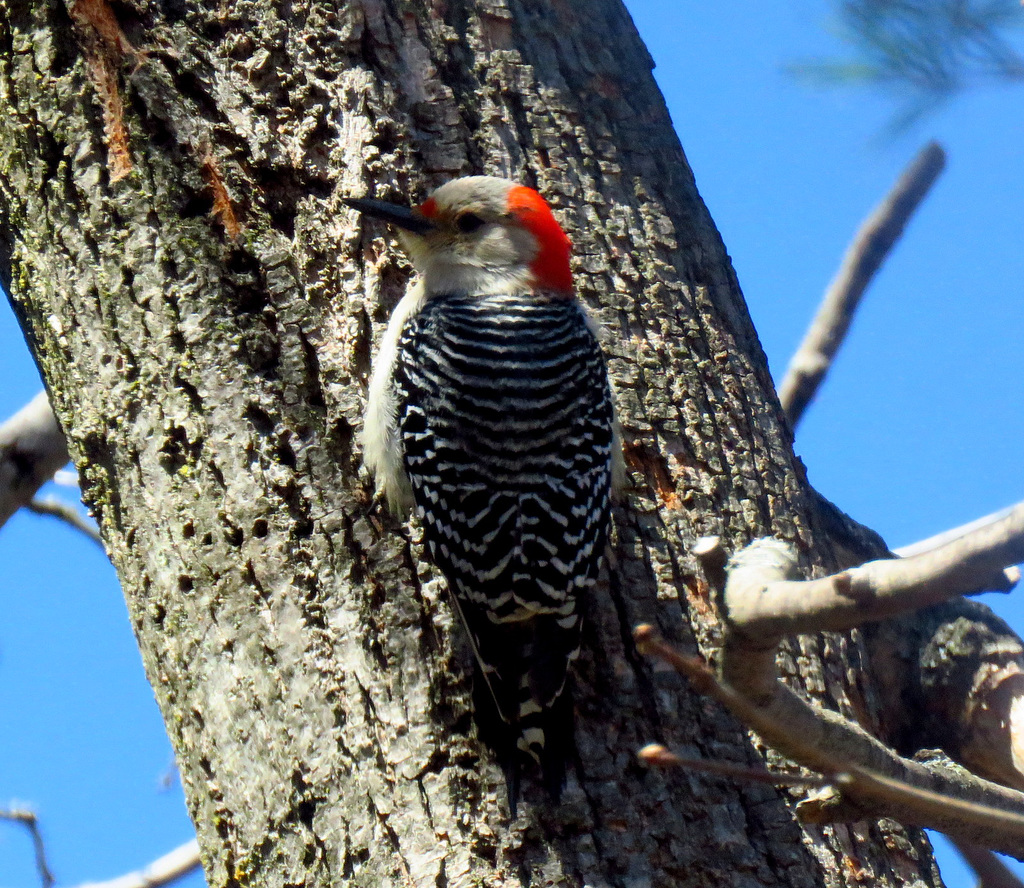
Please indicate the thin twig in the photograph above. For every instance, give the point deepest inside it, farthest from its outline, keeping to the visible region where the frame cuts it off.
(872, 244)
(656, 754)
(177, 864)
(67, 513)
(29, 820)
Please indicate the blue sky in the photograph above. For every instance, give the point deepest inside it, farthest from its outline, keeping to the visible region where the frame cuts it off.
(917, 429)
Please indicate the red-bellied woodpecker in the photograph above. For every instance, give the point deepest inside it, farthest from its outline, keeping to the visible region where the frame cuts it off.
(490, 412)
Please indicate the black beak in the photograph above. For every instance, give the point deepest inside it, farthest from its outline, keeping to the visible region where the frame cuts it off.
(403, 217)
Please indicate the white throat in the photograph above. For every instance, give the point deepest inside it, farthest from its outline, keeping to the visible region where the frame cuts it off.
(442, 276)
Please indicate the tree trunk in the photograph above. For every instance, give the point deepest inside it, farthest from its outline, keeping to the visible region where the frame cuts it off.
(204, 310)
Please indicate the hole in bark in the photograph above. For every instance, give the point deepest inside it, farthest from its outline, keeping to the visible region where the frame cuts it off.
(188, 530)
(282, 187)
(177, 451)
(260, 419)
(217, 473)
(393, 281)
(190, 390)
(261, 349)
(303, 528)
(126, 366)
(286, 455)
(234, 535)
(355, 859)
(343, 434)
(64, 53)
(174, 9)
(387, 136)
(185, 583)
(191, 86)
(259, 528)
(487, 849)
(314, 395)
(305, 810)
(129, 22)
(362, 345)
(197, 206)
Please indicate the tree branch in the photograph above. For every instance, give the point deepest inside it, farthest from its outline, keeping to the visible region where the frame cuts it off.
(28, 819)
(662, 757)
(966, 564)
(32, 449)
(873, 780)
(163, 871)
(762, 601)
(67, 513)
(874, 240)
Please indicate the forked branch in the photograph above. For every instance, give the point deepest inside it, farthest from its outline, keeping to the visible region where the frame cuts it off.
(762, 601)
(870, 779)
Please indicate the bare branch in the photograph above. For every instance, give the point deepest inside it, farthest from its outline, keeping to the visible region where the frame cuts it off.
(32, 449)
(67, 513)
(874, 780)
(873, 241)
(28, 819)
(175, 865)
(765, 609)
(708, 550)
(948, 536)
(656, 754)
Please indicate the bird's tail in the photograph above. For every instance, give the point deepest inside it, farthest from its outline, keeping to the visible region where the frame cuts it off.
(523, 699)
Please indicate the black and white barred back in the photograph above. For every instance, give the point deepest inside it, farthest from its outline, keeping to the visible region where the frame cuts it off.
(505, 416)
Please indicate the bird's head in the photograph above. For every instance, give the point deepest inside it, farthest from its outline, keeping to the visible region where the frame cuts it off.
(481, 235)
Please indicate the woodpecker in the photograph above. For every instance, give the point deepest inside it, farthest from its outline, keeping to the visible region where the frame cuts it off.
(490, 414)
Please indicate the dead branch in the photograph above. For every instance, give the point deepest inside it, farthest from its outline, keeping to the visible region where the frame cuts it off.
(28, 819)
(969, 563)
(67, 513)
(873, 781)
(872, 244)
(163, 871)
(1013, 574)
(32, 448)
(660, 756)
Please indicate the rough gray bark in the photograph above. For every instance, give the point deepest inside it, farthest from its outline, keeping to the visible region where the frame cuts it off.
(204, 310)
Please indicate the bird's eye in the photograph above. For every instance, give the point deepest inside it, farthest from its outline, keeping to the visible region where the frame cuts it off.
(467, 223)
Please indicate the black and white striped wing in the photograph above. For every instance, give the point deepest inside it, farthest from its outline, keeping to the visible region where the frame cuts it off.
(506, 421)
